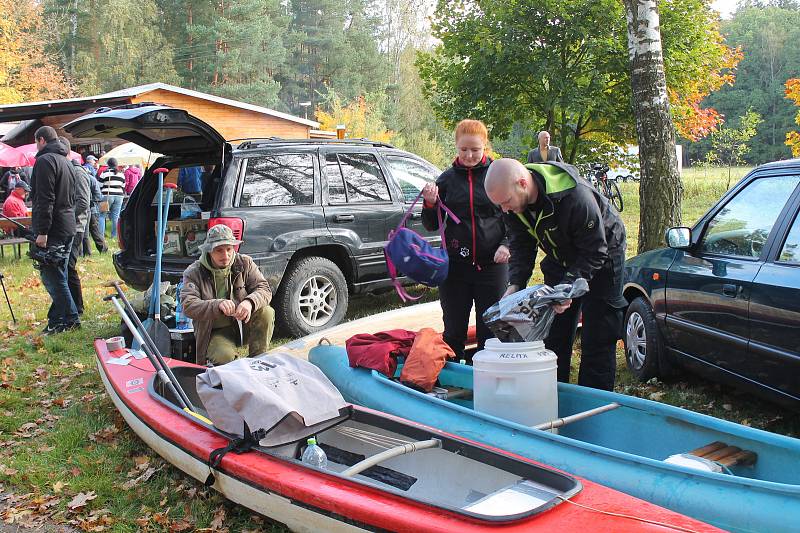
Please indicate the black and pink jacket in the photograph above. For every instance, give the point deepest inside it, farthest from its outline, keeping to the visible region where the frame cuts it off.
(482, 229)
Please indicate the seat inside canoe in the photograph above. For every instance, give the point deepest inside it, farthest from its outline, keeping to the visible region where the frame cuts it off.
(641, 432)
(453, 474)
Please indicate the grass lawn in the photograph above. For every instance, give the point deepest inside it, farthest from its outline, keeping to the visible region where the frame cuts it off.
(67, 457)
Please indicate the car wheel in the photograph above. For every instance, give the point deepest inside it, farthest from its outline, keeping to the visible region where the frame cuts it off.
(643, 343)
(312, 296)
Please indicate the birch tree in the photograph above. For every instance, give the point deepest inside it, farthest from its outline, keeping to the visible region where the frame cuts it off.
(660, 186)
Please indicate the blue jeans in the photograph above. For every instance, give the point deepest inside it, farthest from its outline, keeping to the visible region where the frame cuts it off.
(114, 207)
(62, 309)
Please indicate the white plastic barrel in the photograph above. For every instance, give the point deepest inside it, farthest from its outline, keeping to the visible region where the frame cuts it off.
(516, 381)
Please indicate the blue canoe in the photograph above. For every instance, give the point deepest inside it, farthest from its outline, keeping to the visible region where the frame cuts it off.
(623, 448)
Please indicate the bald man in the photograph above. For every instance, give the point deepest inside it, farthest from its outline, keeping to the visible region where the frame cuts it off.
(549, 206)
(545, 152)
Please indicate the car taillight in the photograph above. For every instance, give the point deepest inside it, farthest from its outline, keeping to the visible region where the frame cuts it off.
(236, 224)
(119, 235)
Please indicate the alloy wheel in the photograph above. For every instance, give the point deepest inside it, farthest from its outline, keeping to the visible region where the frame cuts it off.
(636, 341)
(317, 300)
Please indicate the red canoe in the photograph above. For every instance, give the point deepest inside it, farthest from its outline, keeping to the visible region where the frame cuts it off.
(461, 486)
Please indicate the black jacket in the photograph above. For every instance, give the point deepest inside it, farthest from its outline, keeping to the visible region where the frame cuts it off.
(482, 230)
(52, 193)
(580, 232)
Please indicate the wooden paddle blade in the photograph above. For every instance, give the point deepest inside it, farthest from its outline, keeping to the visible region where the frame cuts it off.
(159, 332)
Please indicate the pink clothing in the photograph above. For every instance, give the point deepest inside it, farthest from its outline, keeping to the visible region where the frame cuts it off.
(14, 206)
(132, 177)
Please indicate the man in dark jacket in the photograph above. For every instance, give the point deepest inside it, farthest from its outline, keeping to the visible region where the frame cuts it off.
(549, 206)
(53, 223)
(83, 197)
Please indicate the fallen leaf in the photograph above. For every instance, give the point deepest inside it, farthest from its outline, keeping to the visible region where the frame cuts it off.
(218, 520)
(180, 525)
(727, 406)
(107, 434)
(8, 471)
(75, 471)
(80, 500)
(656, 396)
(58, 486)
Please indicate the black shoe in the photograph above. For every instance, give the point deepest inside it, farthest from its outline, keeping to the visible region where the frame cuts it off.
(71, 326)
(52, 330)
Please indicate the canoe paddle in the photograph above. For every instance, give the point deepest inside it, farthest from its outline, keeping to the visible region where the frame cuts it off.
(158, 330)
(155, 328)
(148, 346)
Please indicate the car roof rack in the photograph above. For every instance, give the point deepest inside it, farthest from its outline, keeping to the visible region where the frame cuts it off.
(256, 142)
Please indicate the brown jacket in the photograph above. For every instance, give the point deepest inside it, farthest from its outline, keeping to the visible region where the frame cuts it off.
(202, 306)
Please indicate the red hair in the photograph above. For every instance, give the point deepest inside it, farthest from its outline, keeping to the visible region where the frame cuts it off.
(473, 127)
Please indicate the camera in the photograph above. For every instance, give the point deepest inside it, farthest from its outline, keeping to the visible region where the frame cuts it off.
(55, 256)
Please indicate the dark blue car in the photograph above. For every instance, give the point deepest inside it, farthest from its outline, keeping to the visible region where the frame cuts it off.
(723, 300)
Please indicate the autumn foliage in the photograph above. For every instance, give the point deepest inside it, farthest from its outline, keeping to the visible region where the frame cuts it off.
(27, 73)
(362, 116)
(692, 121)
(793, 94)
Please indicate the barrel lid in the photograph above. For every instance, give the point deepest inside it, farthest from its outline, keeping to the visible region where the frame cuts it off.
(513, 353)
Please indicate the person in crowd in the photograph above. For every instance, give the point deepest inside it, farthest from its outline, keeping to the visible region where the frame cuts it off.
(14, 205)
(93, 226)
(549, 206)
(91, 165)
(132, 176)
(545, 152)
(190, 180)
(112, 185)
(53, 223)
(227, 297)
(83, 199)
(476, 247)
(10, 179)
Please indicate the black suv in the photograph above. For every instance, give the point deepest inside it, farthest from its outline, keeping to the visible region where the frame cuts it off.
(313, 214)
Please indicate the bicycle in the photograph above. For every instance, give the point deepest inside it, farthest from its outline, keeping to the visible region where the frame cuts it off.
(607, 186)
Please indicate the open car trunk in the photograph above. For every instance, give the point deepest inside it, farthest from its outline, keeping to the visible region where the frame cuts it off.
(185, 141)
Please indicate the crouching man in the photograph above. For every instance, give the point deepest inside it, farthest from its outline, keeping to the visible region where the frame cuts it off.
(227, 297)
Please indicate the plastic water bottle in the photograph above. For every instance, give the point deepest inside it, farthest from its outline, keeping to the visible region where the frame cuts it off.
(314, 455)
(181, 321)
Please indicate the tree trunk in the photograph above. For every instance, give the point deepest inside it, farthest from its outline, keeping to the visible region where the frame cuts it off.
(660, 186)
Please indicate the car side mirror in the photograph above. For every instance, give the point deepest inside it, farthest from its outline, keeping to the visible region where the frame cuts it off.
(679, 238)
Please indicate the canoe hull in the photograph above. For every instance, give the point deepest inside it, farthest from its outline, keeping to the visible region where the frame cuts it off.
(730, 502)
(307, 499)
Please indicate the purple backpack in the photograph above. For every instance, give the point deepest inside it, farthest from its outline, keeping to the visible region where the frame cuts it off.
(409, 254)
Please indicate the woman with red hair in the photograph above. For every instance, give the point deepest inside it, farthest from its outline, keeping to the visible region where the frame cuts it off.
(477, 247)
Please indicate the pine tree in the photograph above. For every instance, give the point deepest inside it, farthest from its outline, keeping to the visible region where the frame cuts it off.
(106, 45)
(335, 45)
(231, 48)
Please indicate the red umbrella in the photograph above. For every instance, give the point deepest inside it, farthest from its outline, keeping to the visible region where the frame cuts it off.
(13, 157)
(30, 150)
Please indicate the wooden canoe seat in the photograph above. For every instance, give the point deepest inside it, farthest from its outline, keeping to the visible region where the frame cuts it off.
(725, 455)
